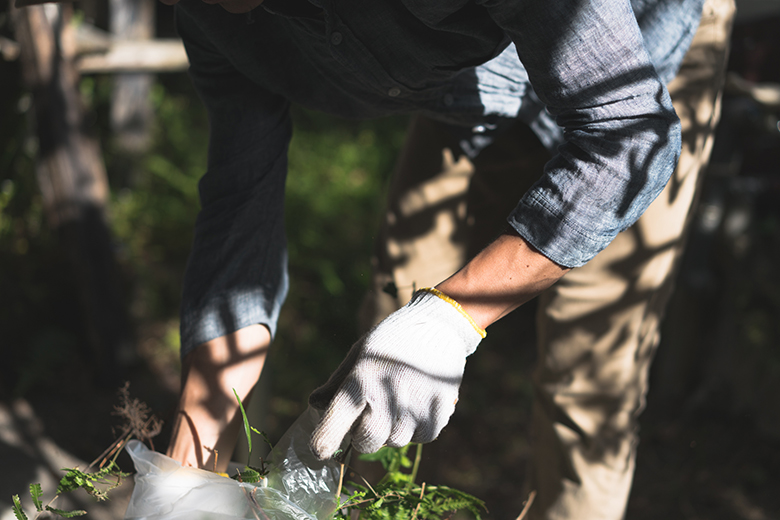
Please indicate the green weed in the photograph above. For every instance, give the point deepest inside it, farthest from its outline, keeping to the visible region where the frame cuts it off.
(397, 496)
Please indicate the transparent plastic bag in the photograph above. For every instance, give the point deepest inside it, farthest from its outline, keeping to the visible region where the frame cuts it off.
(299, 487)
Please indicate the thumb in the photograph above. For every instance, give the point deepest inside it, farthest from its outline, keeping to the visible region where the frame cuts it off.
(322, 396)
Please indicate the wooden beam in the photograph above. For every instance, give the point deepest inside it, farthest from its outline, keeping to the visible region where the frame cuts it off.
(162, 55)
(90, 39)
(24, 3)
(98, 53)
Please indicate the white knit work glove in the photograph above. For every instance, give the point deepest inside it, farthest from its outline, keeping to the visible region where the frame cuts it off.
(399, 383)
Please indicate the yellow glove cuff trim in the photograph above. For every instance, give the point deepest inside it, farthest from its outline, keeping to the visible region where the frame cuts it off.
(455, 304)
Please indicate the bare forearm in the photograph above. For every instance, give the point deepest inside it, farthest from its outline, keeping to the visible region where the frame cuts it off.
(505, 275)
(208, 422)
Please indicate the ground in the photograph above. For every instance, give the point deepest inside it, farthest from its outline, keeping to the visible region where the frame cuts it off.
(703, 463)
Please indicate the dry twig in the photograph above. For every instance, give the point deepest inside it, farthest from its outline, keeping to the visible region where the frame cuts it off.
(527, 505)
(416, 509)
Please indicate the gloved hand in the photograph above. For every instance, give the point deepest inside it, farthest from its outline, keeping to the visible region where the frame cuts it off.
(399, 383)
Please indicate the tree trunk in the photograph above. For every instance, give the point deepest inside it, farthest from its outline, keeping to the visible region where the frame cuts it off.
(72, 177)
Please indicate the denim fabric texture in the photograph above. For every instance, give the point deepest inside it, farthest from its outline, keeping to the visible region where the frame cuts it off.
(587, 75)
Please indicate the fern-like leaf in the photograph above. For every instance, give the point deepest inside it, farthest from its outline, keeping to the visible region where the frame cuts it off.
(66, 514)
(264, 436)
(249, 475)
(36, 492)
(74, 478)
(18, 511)
(392, 459)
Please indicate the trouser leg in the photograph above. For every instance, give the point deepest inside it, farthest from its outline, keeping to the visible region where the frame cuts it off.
(598, 327)
(236, 273)
(236, 276)
(443, 208)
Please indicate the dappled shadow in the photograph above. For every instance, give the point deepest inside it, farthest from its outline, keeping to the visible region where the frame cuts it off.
(13, 482)
(31, 455)
(615, 320)
(217, 376)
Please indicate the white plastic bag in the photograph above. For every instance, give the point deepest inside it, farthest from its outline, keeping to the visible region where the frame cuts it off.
(299, 487)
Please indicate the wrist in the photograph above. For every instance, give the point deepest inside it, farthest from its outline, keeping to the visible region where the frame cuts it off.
(505, 275)
(436, 292)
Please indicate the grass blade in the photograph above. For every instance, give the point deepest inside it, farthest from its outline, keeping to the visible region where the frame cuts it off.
(247, 429)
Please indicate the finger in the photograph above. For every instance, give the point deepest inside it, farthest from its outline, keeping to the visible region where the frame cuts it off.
(372, 430)
(440, 410)
(322, 396)
(335, 424)
(402, 434)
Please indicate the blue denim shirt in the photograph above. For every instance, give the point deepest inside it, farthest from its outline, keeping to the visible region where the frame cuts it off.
(587, 75)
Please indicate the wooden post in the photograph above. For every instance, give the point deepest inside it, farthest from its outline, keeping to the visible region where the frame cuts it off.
(131, 109)
(72, 177)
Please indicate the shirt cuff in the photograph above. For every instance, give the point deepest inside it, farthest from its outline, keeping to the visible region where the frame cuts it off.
(560, 240)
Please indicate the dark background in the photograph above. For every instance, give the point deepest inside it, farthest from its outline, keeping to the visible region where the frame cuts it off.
(710, 439)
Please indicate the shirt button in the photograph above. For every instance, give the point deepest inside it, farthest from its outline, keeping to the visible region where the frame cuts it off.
(448, 100)
(394, 92)
(336, 38)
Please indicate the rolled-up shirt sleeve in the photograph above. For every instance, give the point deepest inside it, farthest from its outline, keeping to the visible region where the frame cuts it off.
(588, 65)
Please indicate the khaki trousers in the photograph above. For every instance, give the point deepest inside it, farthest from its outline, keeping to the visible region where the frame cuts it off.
(598, 327)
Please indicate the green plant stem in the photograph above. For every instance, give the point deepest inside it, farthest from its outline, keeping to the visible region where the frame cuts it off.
(417, 459)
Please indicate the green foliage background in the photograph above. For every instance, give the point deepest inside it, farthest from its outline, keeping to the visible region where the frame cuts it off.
(337, 172)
